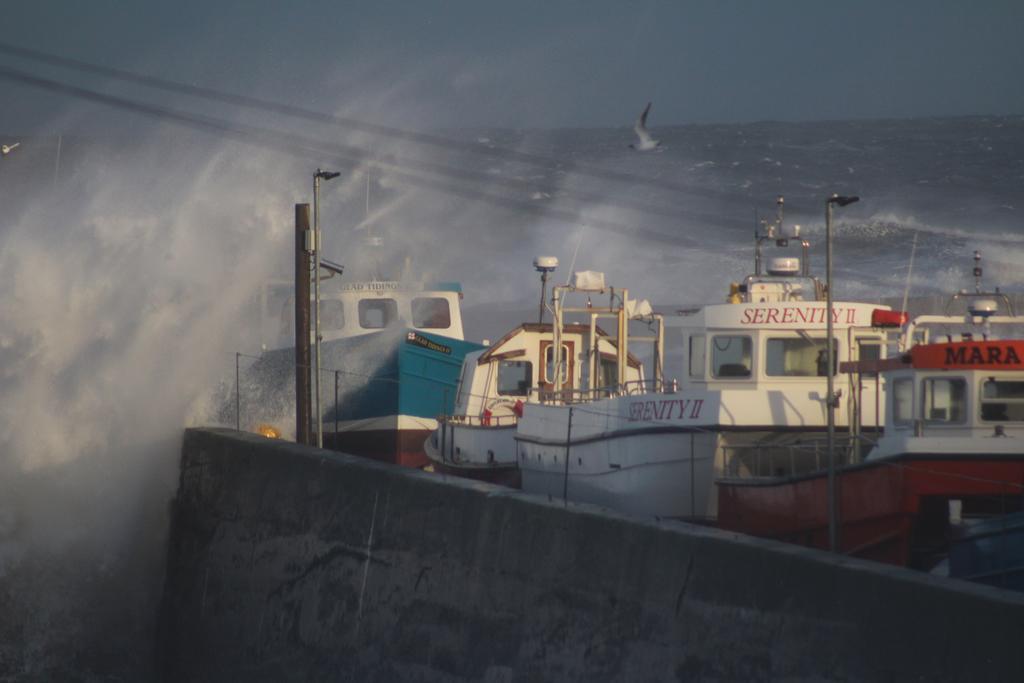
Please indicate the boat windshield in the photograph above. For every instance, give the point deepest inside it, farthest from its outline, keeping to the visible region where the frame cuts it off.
(799, 357)
(903, 400)
(514, 377)
(376, 314)
(731, 356)
(1002, 401)
(945, 399)
(431, 313)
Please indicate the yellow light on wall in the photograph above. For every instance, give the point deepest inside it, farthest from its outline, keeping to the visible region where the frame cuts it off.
(268, 431)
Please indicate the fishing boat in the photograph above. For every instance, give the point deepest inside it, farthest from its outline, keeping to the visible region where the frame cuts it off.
(753, 380)
(391, 352)
(952, 452)
(477, 440)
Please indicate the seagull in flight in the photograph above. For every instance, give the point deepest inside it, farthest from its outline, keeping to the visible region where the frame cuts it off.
(644, 140)
(7, 149)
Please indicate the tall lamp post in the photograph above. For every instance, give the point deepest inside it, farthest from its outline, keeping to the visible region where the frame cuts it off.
(315, 243)
(830, 397)
(545, 265)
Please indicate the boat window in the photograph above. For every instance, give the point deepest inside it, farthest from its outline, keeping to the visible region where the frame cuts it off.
(903, 400)
(431, 313)
(799, 357)
(697, 356)
(462, 384)
(731, 356)
(514, 377)
(332, 314)
(944, 400)
(608, 373)
(1002, 401)
(279, 308)
(375, 314)
(549, 364)
(869, 349)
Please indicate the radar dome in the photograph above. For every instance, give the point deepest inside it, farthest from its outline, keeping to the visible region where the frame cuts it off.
(787, 265)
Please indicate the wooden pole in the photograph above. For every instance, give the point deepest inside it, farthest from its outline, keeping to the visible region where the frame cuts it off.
(302, 356)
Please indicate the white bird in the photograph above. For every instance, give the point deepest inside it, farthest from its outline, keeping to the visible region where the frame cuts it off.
(644, 140)
(7, 149)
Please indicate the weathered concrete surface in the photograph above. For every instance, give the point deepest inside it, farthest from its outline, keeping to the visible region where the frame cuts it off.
(288, 563)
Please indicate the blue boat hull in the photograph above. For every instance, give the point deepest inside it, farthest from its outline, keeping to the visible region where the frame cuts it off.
(381, 393)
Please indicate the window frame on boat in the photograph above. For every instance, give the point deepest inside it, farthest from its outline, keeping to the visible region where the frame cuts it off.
(523, 384)
(818, 343)
(897, 382)
(460, 391)
(1008, 402)
(387, 321)
(746, 354)
(331, 310)
(927, 416)
(427, 320)
(546, 364)
(698, 356)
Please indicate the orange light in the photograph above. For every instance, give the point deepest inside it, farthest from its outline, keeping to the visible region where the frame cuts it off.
(268, 431)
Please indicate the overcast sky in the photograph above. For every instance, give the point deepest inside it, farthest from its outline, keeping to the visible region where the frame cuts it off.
(431, 63)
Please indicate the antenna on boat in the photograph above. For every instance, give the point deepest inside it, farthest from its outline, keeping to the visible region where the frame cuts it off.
(572, 264)
(910, 269)
(977, 271)
(780, 202)
(767, 232)
(545, 265)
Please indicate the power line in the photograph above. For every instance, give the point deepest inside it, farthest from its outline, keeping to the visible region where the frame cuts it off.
(343, 121)
(437, 178)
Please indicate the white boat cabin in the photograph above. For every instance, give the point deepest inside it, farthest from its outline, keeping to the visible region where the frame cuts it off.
(355, 308)
(520, 366)
(958, 387)
(768, 358)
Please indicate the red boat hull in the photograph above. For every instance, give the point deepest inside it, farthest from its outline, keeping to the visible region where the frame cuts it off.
(892, 511)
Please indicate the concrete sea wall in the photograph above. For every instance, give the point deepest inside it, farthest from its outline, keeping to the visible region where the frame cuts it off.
(290, 563)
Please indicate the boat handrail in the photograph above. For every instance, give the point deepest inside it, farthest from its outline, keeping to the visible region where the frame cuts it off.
(965, 295)
(481, 420)
(651, 385)
(759, 461)
(633, 387)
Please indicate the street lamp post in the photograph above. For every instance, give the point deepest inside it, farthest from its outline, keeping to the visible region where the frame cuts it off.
(830, 398)
(315, 244)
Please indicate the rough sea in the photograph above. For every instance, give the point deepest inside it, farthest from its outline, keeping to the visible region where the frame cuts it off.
(130, 265)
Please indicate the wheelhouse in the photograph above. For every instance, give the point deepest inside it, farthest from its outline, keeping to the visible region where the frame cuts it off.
(522, 364)
(357, 308)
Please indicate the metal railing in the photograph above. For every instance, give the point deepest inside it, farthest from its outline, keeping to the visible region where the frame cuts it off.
(750, 461)
(633, 387)
(480, 420)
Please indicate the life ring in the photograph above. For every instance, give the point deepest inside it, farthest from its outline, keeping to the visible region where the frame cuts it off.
(512, 405)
